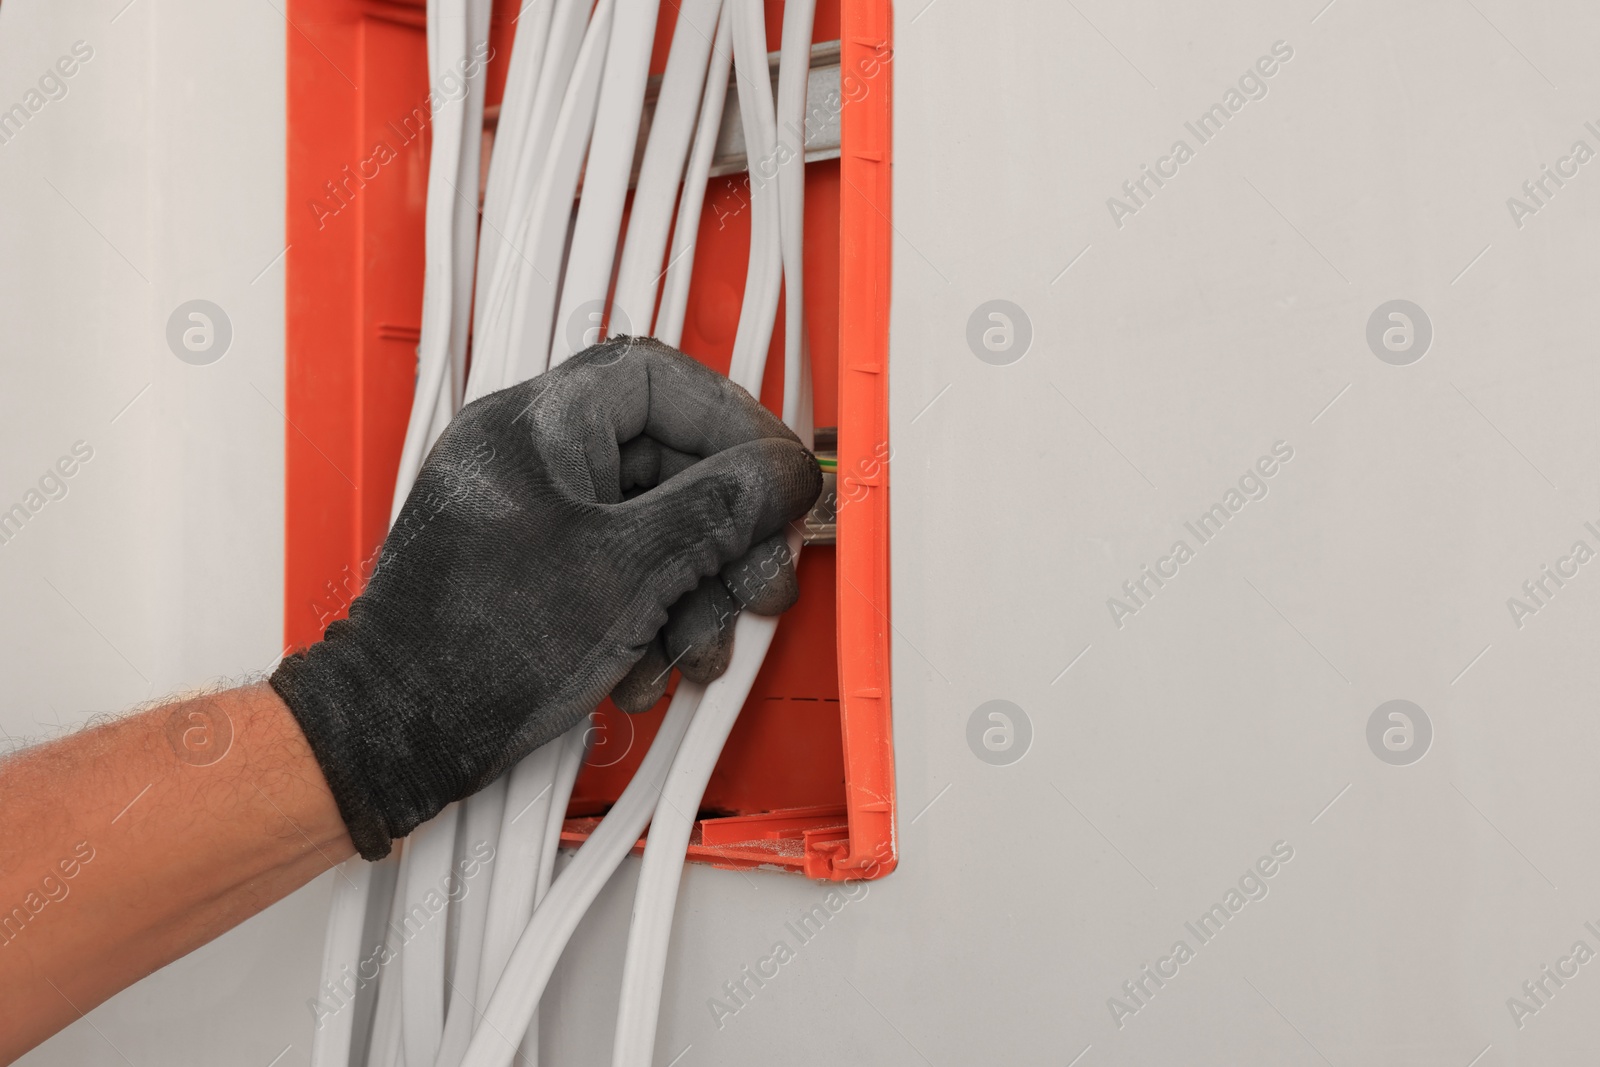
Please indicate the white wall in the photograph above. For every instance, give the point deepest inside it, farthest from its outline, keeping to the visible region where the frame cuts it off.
(157, 179)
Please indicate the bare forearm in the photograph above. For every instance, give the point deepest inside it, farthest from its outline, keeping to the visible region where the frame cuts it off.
(125, 847)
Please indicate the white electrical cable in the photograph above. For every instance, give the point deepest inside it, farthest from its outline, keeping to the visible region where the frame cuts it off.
(448, 32)
(465, 193)
(794, 70)
(686, 230)
(605, 177)
(649, 937)
(542, 943)
(464, 199)
(515, 999)
(764, 274)
(541, 786)
(510, 135)
(480, 825)
(438, 287)
(512, 1005)
(462, 34)
(429, 850)
(469, 74)
(330, 1042)
(585, 280)
(431, 14)
(385, 1046)
(492, 327)
(454, 26)
(523, 849)
(592, 248)
(528, 345)
(380, 898)
(478, 930)
(457, 29)
(656, 897)
(435, 953)
(574, 745)
(661, 169)
(541, 60)
(533, 781)
(516, 869)
(545, 46)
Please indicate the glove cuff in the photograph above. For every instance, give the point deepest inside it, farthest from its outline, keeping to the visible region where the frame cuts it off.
(332, 690)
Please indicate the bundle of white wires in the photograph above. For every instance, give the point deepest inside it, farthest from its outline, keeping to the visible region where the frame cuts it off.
(420, 968)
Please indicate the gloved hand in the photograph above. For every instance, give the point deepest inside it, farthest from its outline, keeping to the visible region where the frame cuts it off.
(555, 531)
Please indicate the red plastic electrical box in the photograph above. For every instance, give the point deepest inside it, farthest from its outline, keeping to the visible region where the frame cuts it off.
(806, 781)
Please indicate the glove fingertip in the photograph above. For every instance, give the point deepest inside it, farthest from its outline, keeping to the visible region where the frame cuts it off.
(764, 579)
(800, 476)
(646, 681)
(699, 631)
(702, 655)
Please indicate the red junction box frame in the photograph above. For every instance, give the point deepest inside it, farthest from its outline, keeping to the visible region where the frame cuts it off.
(806, 782)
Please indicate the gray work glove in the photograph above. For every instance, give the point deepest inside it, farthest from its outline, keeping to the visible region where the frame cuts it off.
(566, 538)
